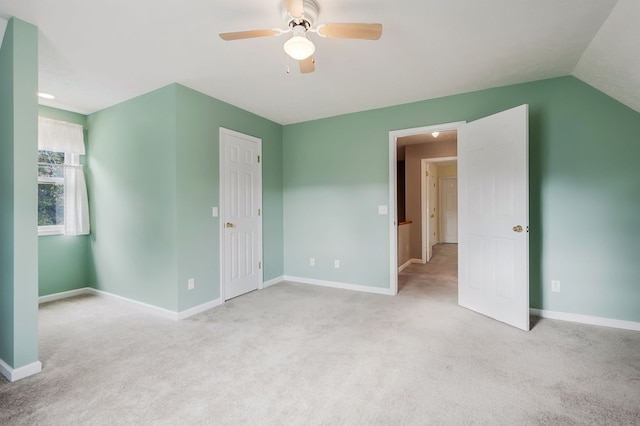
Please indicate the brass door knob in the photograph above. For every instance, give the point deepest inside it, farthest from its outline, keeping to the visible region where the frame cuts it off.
(517, 228)
(229, 225)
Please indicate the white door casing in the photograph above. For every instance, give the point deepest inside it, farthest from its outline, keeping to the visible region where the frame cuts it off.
(393, 174)
(493, 268)
(240, 213)
(448, 209)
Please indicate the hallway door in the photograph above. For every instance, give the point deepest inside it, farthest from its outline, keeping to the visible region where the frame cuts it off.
(494, 217)
(448, 210)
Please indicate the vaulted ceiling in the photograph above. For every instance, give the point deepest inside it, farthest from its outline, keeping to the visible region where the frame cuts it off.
(94, 54)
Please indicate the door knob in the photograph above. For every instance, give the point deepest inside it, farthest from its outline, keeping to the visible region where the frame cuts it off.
(229, 225)
(517, 228)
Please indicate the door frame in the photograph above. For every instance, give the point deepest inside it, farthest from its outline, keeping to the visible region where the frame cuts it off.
(440, 180)
(221, 219)
(424, 200)
(393, 208)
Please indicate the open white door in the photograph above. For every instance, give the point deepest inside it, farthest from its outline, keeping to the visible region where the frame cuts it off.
(241, 204)
(428, 197)
(493, 196)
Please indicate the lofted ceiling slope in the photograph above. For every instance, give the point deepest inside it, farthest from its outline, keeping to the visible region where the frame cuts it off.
(94, 54)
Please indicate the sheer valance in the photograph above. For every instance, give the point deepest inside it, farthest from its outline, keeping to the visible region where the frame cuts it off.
(60, 136)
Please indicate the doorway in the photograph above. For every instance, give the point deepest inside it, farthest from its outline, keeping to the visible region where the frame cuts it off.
(493, 259)
(401, 143)
(433, 170)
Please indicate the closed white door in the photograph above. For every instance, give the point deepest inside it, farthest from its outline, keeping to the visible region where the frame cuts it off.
(449, 210)
(433, 220)
(241, 215)
(494, 216)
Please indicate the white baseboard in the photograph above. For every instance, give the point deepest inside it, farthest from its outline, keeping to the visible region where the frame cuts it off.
(273, 281)
(64, 295)
(13, 374)
(165, 313)
(344, 286)
(407, 263)
(586, 319)
(198, 309)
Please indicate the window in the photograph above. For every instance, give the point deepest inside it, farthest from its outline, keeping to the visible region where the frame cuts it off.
(62, 194)
(50, 192)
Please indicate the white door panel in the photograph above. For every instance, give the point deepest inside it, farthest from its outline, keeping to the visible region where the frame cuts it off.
(432, 210)
(449, 210)
(493, 199)
(241, 195)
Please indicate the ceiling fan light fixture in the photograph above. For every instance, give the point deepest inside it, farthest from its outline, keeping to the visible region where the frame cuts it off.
(299, 47)
(435, 134)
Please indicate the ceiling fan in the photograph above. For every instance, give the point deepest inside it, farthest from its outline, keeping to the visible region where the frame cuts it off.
(300, 16)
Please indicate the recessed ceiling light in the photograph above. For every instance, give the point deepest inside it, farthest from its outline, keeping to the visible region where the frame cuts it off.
(45, 95)
(435, 134)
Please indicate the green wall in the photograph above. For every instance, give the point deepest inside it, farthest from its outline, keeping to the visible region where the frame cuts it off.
(584, 192)
(199, 119)
(153, 180)
(132, 179)
(18, 192)
(64, 262)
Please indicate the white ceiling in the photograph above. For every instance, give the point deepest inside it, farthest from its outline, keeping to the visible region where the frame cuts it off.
(97, 53)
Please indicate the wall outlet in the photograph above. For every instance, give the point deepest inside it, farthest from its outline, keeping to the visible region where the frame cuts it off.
(191, 284)
(555, 286)
(336, 263)
(312, 261)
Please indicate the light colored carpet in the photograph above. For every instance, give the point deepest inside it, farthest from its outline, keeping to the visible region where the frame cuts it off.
(297, 354)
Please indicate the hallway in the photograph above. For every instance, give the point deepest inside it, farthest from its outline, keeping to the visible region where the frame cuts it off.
(439, 277)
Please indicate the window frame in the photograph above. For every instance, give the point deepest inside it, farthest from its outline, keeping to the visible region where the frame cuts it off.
(69, 160)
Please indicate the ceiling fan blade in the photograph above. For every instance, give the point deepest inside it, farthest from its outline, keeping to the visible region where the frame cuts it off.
(238, 35)
(307, 65)
(295, 8)
(361, 31)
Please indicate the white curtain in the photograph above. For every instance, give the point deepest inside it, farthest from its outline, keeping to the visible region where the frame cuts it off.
(60, 136)
(76, 204)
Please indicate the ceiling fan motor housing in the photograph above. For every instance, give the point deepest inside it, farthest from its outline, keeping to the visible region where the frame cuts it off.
(310, 15)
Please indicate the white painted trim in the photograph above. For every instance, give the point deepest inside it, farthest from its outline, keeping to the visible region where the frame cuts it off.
(424, 210)
(393, 213)
(409, 262)
(344, 286)
(64, 295)
(166, 313)
(405, 265)
(586, 319)
(199, 309)
(274, 281)
(393, 175)
(13, 374)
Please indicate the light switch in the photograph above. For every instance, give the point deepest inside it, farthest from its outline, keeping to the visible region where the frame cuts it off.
(214, 212)
(383, 210)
